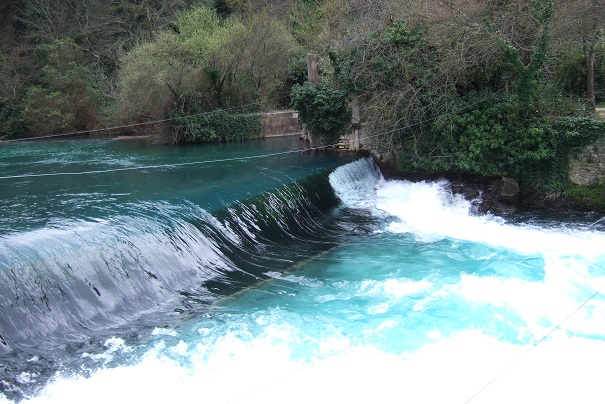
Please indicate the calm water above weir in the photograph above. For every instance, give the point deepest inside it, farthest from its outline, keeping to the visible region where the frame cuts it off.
(176, 274)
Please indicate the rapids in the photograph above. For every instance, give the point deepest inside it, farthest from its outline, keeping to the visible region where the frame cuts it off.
(324, 283)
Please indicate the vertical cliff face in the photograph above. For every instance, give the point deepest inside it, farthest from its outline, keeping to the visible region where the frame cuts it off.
(587, 167)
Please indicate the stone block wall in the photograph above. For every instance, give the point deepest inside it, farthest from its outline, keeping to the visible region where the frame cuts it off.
(587, 167)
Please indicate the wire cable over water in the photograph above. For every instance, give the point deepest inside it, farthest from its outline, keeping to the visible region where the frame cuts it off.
(173, 165)
(524, 354)
(127, 126)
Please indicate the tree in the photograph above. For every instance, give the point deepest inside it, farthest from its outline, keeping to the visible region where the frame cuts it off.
(206, 62)
(394, 69)
(582, 23)
(209, 41)
(263, 48)
(153, 76)
(62, 98)
(11, 117)
(248, 8)
(526, 46)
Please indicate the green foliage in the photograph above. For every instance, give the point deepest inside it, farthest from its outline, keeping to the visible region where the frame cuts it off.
(153, 76)
(396, 70)
(494, 137)
(497, 140)
(203, 32)
(527, 84)
(387, 60)
(63, 98)
(210, 62)
(308, 21)
(57, 46)
(322, 108)
(12, 123)
(400, 34)
(222, 7)
(217, 126)
(570, 73)
(295, 74)
(587, 197)
(600, 73)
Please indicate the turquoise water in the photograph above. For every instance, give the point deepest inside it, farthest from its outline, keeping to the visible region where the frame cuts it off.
(99, 178)
(331, 285)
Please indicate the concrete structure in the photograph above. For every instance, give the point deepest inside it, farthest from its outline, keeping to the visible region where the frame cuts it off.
(281, 123)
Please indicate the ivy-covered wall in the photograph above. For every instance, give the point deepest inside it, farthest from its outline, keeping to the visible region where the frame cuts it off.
(587, 165)
(222, 126)
(217, 126)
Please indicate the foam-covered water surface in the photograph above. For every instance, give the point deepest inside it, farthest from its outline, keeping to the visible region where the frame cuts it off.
(395, 293)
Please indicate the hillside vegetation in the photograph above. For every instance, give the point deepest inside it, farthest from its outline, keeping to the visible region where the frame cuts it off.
(473, 86)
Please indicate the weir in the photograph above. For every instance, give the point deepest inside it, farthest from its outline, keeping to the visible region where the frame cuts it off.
(63, 285)
(313, 272)
(128, 255)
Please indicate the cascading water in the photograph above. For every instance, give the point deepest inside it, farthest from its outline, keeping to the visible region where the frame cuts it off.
(339, 288)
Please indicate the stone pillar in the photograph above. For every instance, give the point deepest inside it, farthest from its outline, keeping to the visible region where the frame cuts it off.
(312, 74)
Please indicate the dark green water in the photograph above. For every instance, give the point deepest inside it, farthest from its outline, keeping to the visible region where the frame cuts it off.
(203, 175)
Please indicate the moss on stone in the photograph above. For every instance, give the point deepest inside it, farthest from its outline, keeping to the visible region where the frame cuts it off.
(591, 197)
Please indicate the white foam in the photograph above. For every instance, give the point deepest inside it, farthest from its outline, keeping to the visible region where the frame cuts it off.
(112, 347)
(561, 369)
(431, 212)
(164, 331)
(355, 183)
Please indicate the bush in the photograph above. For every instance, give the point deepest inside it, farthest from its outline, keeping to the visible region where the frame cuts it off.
(64, 96)
(322, 108)
(587, 197)
(217, 126)
(497, 138)
(12, 123)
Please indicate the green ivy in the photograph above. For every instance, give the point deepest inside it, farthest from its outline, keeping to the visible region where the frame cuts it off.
(400, 34)
(322, 108)
(498, 138)
(218, 126)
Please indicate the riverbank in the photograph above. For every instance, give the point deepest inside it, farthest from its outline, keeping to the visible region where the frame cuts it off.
(504, 196)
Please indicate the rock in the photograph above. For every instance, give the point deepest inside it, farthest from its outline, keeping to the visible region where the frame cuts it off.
(498, 196)
(508, 192)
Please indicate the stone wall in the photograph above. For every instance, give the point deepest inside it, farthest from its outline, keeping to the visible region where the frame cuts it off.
(356, 138)
(281, 123)
(587, 167)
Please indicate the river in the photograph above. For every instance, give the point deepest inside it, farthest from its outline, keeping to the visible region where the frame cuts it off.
(252, 272)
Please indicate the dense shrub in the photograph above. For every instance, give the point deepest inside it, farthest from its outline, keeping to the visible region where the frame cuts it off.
(12, 123)
(215, 126)
(63, 97)
(497, 138)
(322, 108)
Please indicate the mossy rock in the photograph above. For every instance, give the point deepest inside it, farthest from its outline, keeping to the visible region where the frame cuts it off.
(590, 197)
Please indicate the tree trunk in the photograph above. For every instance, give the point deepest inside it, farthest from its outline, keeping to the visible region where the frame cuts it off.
(589, 54)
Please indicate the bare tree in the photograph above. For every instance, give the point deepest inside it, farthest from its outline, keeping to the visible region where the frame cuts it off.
(582, 23)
